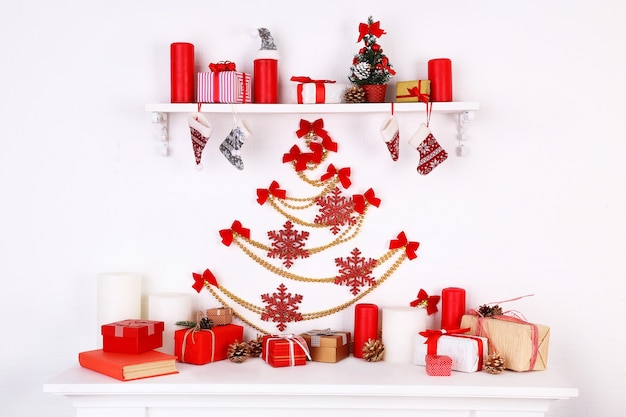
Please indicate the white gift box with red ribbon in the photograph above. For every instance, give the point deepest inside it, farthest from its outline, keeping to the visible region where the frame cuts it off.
(467, 352)
(309, 91)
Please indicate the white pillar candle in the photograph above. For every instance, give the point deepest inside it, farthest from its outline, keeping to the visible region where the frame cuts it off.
(170, 308)
(119, 297)
(400, 325)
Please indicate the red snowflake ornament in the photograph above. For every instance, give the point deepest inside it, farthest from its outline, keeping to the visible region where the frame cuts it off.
(281, 307)
(288, 244)
(336, 210)
(355, 271)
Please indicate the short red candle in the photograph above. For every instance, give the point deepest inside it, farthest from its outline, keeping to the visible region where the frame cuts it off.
(452, 307)
(265, 80)
(365, 326)
(182, 72)
(440, 76)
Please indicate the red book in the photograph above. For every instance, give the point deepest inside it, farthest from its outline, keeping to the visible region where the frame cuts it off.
(128, 366)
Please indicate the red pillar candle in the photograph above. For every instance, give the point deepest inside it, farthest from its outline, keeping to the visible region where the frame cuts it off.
(365, 326)
(182, 72)
(452, 307)
(266, 80)
(440, 76)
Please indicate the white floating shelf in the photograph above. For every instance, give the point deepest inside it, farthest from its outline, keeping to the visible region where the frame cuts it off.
(438, 107)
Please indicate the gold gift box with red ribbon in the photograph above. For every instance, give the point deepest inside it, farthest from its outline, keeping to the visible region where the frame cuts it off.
(413, 91)
(522, 345)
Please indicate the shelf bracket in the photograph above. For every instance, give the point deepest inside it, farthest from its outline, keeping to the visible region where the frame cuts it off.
(465, 118)
(161, 132)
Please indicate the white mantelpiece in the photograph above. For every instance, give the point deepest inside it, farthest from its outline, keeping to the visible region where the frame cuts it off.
(349, 388)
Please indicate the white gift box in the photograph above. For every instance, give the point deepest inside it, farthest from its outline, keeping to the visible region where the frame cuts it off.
(467, 352)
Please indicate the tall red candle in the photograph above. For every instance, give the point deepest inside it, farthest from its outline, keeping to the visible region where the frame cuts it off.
(365, 326)
(452, 307)
(182, 72)
(440, 76)
(266, 80)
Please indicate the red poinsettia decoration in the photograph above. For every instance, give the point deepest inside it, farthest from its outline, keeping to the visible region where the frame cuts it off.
(426, 301)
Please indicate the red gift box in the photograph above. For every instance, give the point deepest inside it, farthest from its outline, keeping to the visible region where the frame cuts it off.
(284, 350)
(438, 365)
(200, 346)
(132, 336)
(224, 87)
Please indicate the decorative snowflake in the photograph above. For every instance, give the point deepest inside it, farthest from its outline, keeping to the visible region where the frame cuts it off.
(288, 244)
(281, 307)
(355, 271)
(335, 211)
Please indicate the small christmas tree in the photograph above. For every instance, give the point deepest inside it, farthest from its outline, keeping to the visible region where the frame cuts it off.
(370, 65)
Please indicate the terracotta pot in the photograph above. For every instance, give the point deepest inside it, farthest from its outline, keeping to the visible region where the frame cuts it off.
(375, 93)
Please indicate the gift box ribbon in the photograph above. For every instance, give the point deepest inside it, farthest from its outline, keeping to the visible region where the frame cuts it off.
(293, 340)
(223, 66)
(320, 88)
(416, 92)
(316, 335)
(121, 325)
(432, 338)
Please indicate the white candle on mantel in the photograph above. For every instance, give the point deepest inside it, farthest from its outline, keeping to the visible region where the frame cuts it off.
(119, 297)
(400, 325)
(170, 308)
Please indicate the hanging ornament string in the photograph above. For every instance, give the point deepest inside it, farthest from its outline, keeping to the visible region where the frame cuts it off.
(429, 111)
(213, 287)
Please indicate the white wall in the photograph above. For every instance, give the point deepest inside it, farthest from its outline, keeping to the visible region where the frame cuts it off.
(538, 207)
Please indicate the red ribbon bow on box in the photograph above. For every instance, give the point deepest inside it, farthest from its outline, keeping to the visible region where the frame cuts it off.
(228, 234)
(415, 92)
(275, 190)
(402, 242)
(432, 337)
(223, 66)
(306, 80)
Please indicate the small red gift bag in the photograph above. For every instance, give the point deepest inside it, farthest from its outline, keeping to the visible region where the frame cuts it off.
(438, 365)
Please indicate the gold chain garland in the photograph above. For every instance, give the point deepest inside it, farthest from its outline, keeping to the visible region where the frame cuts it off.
(314, 315)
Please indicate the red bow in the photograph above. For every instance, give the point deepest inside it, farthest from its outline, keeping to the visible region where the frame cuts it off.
(432, 337)
(301, 159)
(360, 199)
(223, 66)
(373, 29)
(317, 128)
(227, 234)
(309, 80)
(207, 277)
(264, 193)
(343, 174)
(429, 302)
(415, 92)
(402, 242)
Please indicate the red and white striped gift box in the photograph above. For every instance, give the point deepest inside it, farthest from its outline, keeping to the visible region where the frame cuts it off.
(224, 87)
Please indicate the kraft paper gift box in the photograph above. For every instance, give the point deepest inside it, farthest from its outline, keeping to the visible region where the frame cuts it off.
(412, 91)
(327, 345)
(522, 345)
(132, 336)
(284, 350)
(309, 91)
(201, 346)
(224, 87)
(467, 352)
(220, 315)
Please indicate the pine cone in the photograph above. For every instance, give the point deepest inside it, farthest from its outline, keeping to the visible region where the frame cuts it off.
(354, 94)
(373, 350)
(488, 311)
(255, 347)
(206, 323)
(238, 352)
(494, 364)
